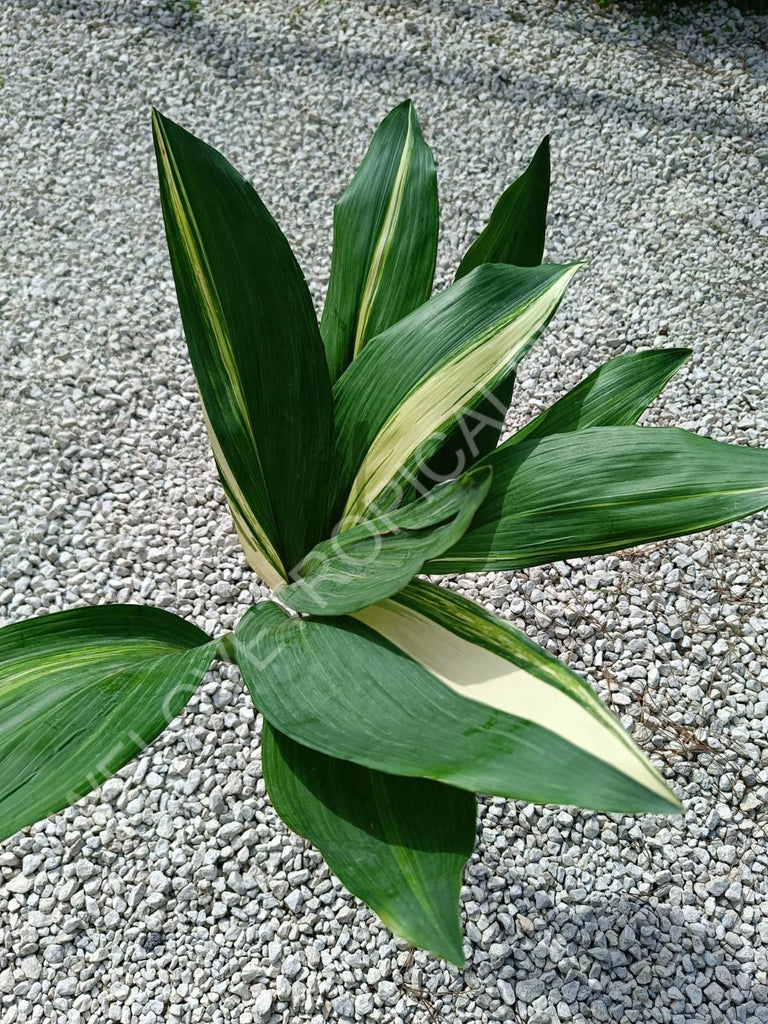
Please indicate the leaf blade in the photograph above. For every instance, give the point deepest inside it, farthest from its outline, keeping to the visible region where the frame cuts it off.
(241, 292)
(81, 693)
(602, 489)
(517, 226)
(615, 394)
(378, 557)
(435, 361)
(364, 688)
(399, 844)
(514, 234)
(385, 239)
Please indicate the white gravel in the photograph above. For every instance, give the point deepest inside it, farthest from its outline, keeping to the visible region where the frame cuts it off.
(173, 894)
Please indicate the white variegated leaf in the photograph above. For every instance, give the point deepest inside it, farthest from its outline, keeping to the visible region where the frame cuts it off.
(435, 363)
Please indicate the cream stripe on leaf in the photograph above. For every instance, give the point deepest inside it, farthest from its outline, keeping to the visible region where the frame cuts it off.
(366, 689)
(398, 843)
(615, 394)
(602, 489)
(81, 693)
(515, 234)
(255, 348)
(395, 403)
(492, 663)
(257, 546)
(384, 239)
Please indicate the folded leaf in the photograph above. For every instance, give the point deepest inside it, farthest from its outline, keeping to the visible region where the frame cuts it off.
(82, 692)
(400, 844)
(255, 348)
(427, 684)
(517, 227)
(415, 380)
(616, 394)
(384, 239)
(602, 489)
(378, 557)
(515, 235)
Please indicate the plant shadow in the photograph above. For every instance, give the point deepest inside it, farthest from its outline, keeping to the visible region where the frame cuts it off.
(234, 55)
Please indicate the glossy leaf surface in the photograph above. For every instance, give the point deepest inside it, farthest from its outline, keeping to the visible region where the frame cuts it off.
(398, 843)
(515, 234)
(516, 230)
(415, 380)
(384, 239)
(615, 394)
(430, 685)
(378, 557)
(602, 489)
(81, 693)
(255, 348)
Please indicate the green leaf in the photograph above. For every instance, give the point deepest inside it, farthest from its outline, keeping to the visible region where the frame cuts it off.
(601, 489)
(82, 692)
(256, 352)
(427, 684)
(516, 229)
(616, 394)
(515, 235)
(416, 379)
(400, 844)
(384, 239)
(378, 557)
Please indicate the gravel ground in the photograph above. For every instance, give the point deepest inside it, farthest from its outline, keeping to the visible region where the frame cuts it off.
(173, 894)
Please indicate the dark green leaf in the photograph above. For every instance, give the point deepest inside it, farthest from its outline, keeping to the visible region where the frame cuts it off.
(384, 239)
(82, 692)
(398, 843)
(438, 688)
(616, 394)
(256, 352)
(515, 232)
(515, 235)
(601, 489)
(379, 556)
(475, 434)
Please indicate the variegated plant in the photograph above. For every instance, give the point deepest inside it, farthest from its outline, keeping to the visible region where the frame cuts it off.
(355, 455)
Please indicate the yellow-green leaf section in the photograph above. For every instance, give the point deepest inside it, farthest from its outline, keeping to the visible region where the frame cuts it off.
(386, 238)
(485, 348)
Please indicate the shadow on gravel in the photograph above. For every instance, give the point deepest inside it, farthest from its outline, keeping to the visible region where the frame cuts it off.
(653, 953)
(208, 42)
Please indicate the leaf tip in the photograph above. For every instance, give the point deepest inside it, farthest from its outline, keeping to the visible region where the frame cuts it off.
(572, 269)
(458, 960)
(674, 804)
